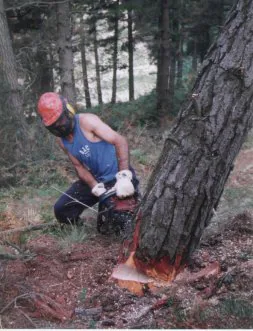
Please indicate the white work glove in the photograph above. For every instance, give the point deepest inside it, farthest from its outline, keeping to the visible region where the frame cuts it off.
(124, 186)
(98, 189)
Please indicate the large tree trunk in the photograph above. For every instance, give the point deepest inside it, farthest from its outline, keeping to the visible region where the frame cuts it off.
(199, 152)
(162, 85)
(65, 51)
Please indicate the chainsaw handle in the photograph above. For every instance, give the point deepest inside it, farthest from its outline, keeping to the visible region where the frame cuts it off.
(108, 194)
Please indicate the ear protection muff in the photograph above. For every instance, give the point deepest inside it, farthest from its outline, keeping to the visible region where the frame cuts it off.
(71, 110)
(67, 108)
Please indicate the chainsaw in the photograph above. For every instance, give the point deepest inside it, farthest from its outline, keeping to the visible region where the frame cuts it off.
(116, 215)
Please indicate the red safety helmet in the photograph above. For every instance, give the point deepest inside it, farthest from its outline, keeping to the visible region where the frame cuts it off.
(50, 107)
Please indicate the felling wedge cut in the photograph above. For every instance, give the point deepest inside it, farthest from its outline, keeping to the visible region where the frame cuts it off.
(136, 281)
(137, 276)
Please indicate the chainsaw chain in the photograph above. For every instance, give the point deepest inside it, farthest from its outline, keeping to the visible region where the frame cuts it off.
(119, 223)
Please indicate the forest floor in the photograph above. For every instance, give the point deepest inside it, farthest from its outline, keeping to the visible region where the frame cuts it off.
(63, 278)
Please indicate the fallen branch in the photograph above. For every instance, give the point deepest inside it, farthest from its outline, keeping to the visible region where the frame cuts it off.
(22, 255)
(14, 301)
(245, 229)
(46, 306)
(27, 317)
(6, 256)
(8, 243)
(28, 228)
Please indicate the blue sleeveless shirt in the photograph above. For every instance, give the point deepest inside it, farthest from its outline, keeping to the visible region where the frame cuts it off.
(98, 157)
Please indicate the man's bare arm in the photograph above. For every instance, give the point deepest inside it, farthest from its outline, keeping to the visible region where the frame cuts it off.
(94, 124)
(83, 173)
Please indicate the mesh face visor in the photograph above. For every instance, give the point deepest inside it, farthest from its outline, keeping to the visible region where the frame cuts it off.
(63, 126)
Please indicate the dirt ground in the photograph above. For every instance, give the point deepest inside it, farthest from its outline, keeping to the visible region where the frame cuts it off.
(69, 286)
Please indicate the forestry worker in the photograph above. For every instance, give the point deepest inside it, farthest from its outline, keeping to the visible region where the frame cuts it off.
(99, 154)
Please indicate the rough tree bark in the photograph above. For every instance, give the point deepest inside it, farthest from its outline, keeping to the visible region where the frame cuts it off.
(66, 62)
(198, 154)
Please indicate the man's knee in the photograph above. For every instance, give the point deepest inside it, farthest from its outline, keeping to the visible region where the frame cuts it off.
(66, 212)
(59, 212)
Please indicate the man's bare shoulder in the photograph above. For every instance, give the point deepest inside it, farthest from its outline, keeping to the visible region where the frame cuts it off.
(88, 116)
(89, 120)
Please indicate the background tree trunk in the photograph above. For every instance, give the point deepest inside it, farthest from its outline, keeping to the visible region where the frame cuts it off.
(98, 79)
(8, 65)
(179, 47)
(65, 51)
(162, 85)
(199, 153)
(180, 63)
(130, 52)
(51, 61)
(115, 53)
(13, 140)
(194, 58)
(44, 80)
(171, 92)
(84, 66)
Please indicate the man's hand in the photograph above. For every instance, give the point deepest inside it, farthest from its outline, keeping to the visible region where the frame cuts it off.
(124, 186)
(102, 193)
(98, 189)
